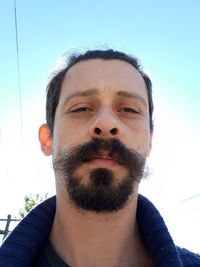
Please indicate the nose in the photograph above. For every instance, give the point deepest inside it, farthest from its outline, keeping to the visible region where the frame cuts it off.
(105, 125)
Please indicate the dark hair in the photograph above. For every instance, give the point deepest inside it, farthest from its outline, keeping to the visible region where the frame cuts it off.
(55, 84)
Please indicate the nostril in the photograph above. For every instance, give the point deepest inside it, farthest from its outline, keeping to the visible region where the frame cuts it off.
(97, 131)
(113, 131)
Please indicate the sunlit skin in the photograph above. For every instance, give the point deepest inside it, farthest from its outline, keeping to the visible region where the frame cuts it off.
(99, 99)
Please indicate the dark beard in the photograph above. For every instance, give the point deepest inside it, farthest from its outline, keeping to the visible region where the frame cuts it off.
(104, 192)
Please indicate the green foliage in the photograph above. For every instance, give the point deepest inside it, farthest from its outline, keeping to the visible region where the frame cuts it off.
(30, 202)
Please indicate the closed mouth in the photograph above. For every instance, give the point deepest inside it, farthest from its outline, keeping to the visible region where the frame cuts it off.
(105, 156)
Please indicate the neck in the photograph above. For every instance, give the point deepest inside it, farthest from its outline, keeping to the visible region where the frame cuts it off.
(83, 238)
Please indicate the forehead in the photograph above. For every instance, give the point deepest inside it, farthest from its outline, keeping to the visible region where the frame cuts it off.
(111, 75)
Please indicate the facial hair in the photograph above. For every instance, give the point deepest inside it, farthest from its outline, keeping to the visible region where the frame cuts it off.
(104, 192)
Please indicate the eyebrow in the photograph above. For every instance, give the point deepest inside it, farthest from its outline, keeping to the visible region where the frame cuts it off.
(93, 91)
(89, 92)
(126, 94)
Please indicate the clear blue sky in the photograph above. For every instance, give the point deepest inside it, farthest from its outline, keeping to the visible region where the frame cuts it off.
(165, 35)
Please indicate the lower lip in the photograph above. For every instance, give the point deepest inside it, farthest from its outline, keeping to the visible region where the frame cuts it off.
(103, 162)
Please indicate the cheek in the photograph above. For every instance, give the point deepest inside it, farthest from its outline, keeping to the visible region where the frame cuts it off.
(139, 139)
(67, 134)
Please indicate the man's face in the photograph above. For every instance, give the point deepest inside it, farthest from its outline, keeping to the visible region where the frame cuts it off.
(101, 100)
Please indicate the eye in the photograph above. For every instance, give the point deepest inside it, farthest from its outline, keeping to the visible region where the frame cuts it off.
(81, 109)
(129, 110)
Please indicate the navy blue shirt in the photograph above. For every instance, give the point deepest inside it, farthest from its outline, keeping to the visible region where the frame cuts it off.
(47, 257)
(23, 246)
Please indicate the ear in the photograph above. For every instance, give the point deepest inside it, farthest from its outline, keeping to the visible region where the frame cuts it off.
(45, 139)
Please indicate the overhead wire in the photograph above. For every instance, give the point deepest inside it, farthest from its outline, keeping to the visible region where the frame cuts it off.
(18, 73)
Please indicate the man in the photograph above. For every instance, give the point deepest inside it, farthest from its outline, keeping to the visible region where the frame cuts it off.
(99, 132)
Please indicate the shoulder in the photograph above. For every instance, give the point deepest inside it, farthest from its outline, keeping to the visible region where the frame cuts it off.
(188, 258)
(21, 246)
